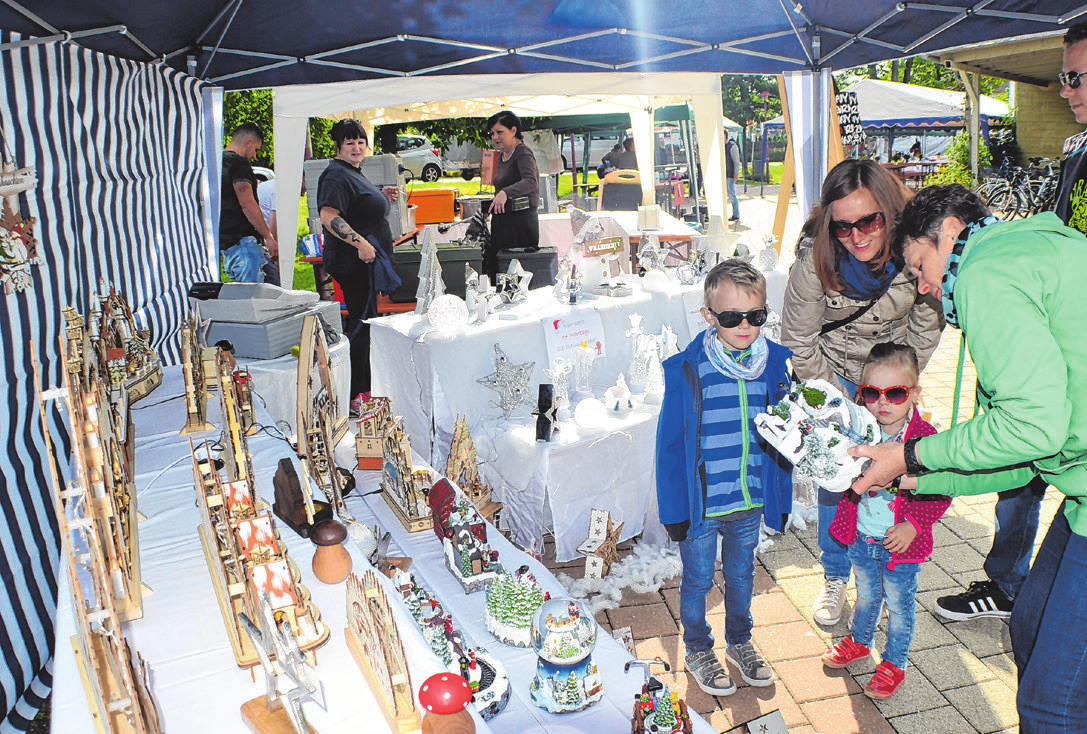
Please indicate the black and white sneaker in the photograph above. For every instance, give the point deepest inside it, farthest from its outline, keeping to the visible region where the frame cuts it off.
(982, 599)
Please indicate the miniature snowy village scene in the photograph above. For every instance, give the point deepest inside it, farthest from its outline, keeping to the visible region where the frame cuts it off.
(813, 427)
(484, 673)
(564, 635)
(657, 709)
(463, 533)
(512, 602)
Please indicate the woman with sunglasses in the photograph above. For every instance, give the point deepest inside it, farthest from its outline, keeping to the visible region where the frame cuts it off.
(845, 295)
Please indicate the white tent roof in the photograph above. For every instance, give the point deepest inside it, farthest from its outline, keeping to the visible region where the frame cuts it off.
(892, 104)
(405, 99)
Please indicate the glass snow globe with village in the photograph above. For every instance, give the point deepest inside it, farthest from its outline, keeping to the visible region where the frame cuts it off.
(563, 635)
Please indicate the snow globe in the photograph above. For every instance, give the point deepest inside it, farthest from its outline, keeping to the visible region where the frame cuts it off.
(567, 680)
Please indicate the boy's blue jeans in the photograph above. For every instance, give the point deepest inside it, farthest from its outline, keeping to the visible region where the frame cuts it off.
(877, 585)
(1049, 635)
(739, 533)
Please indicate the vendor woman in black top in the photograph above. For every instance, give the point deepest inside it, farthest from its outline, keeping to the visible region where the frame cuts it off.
(514, 221)
(353, 214)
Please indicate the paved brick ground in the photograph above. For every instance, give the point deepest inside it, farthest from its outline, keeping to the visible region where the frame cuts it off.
(961, 675)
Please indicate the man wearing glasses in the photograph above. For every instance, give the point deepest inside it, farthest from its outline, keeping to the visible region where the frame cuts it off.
(1072, 194)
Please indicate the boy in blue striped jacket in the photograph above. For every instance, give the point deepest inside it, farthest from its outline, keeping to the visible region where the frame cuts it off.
(716, 477)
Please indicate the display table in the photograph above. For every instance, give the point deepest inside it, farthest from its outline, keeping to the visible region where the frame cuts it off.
(276, 381)
(431, 379)
(181, 636)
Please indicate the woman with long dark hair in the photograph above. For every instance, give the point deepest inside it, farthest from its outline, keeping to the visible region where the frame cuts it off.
(846, 293)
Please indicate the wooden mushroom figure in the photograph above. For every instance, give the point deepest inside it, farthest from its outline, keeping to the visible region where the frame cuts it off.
(446, 696)
(331, 562)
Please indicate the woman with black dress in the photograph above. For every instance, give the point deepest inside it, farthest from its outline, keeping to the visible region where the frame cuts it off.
(353, 213)
(514, 220)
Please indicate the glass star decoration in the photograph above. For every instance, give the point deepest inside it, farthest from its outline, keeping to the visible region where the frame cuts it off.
(510, 381)
(513, 284)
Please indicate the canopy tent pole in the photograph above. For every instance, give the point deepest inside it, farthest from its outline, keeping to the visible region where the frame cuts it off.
(711, 149)
(641, 128)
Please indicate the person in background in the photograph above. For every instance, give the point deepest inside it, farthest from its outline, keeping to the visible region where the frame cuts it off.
(915, 151)
(245, 241)
(514, 219)
(1016, 291)
(888, 530)
(353, 213)
(266, 197)
(716, 478)
(627, 159)
(845, 295)
(733, 166)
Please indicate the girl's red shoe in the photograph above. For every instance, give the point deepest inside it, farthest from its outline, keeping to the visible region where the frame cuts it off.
(886, 681)
(845, 652)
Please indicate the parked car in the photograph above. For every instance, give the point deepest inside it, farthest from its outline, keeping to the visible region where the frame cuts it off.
(420, 156)
(263, 174)
(599, 146)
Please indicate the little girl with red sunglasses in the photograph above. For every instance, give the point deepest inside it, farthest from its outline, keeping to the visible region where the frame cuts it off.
(888, 530)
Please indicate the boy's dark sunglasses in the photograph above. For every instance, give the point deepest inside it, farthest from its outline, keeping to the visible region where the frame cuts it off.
(1072, 78)
(864, 225)
(732, 319)
(895, 395)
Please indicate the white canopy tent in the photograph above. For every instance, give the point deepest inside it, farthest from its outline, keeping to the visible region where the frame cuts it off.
(382, 101)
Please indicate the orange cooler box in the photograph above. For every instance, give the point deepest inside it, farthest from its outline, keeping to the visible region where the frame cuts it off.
(433, 206)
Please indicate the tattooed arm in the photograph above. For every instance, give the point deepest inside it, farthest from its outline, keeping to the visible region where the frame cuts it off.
(336, 225)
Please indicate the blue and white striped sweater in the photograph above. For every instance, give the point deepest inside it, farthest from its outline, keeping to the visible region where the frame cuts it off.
(733, 468)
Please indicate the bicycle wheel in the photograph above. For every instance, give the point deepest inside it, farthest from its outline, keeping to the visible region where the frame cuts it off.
(1005, 203)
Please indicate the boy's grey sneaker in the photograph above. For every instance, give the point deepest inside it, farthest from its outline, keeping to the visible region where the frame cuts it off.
(753, 669)
(708, 673)
(827, 609)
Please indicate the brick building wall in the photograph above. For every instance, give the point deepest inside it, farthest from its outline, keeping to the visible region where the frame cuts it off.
(1043, 120)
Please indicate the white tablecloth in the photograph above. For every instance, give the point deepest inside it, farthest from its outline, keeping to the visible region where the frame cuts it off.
(276, 381)
(182, 637)
(431, 379)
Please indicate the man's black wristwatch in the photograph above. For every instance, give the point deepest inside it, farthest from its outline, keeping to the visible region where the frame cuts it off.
(909, 452)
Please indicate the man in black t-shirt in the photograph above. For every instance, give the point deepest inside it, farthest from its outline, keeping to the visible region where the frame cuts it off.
(241, 223)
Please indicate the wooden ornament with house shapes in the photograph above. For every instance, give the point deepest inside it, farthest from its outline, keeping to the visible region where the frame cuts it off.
(374, 641)
(600, 547)
(462, 468)
(372, 423)
(403, 488)
(196, 386)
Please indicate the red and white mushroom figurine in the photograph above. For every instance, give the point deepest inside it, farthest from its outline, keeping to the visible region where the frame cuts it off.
(446, 696)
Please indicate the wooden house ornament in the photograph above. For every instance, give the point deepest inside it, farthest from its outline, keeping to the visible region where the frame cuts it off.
(196, 385)
(372, 423)
(599, 548)
(401, 487)
(462, 468)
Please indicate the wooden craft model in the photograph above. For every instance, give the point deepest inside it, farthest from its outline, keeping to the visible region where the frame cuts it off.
(599, 547)
(374, 642)
(320, 425)
(246, 558)
(401, 487)
(235, 447)
(462, 468)
(372, 423)
(123, 348)
(101, 435)
(196, 386)
(115, 679)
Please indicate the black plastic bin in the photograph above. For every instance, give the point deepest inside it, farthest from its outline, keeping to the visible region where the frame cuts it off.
(543, 264)
(452, 257)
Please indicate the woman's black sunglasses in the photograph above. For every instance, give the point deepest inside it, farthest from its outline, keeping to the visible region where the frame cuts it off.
(864, 225)
(732, 319)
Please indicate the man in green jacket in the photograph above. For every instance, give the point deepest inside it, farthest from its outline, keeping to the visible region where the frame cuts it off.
(1016, 289)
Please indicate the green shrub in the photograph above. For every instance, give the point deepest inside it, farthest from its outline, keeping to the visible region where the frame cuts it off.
(957, 169)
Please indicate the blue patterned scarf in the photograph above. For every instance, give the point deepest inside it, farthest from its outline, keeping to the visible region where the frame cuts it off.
(730, 364)
(857, 278)
(951, 270)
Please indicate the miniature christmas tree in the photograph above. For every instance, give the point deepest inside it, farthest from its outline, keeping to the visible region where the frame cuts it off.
(665, 715)
(570, 691)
